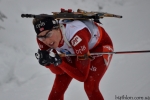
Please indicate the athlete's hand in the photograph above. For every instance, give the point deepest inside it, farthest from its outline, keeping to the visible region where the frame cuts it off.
(45, 59)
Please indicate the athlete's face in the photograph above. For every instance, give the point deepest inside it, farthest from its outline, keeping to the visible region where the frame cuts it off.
(50, 37)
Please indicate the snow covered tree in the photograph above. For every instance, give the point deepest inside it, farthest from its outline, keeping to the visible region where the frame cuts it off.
(2, 16)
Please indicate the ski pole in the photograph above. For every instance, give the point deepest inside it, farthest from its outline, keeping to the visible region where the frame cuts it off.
(118, 52)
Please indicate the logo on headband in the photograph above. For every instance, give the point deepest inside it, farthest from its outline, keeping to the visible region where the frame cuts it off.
(40, 24)
(44, 24)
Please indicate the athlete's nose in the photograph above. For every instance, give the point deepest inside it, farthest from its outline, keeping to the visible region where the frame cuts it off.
(46, 41)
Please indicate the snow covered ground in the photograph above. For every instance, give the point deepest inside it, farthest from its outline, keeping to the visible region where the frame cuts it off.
(22, 78)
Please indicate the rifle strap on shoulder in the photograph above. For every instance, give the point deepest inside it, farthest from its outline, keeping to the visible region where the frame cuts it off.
(62, 28)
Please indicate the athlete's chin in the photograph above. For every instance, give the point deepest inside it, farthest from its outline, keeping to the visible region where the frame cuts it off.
(54, 46)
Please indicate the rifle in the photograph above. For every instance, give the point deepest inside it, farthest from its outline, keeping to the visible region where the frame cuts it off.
(79, 14)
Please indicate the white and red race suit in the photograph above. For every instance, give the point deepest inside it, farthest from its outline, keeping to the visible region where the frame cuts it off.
(84, 37)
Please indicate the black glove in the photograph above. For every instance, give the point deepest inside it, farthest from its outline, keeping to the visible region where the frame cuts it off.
(45, 59)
